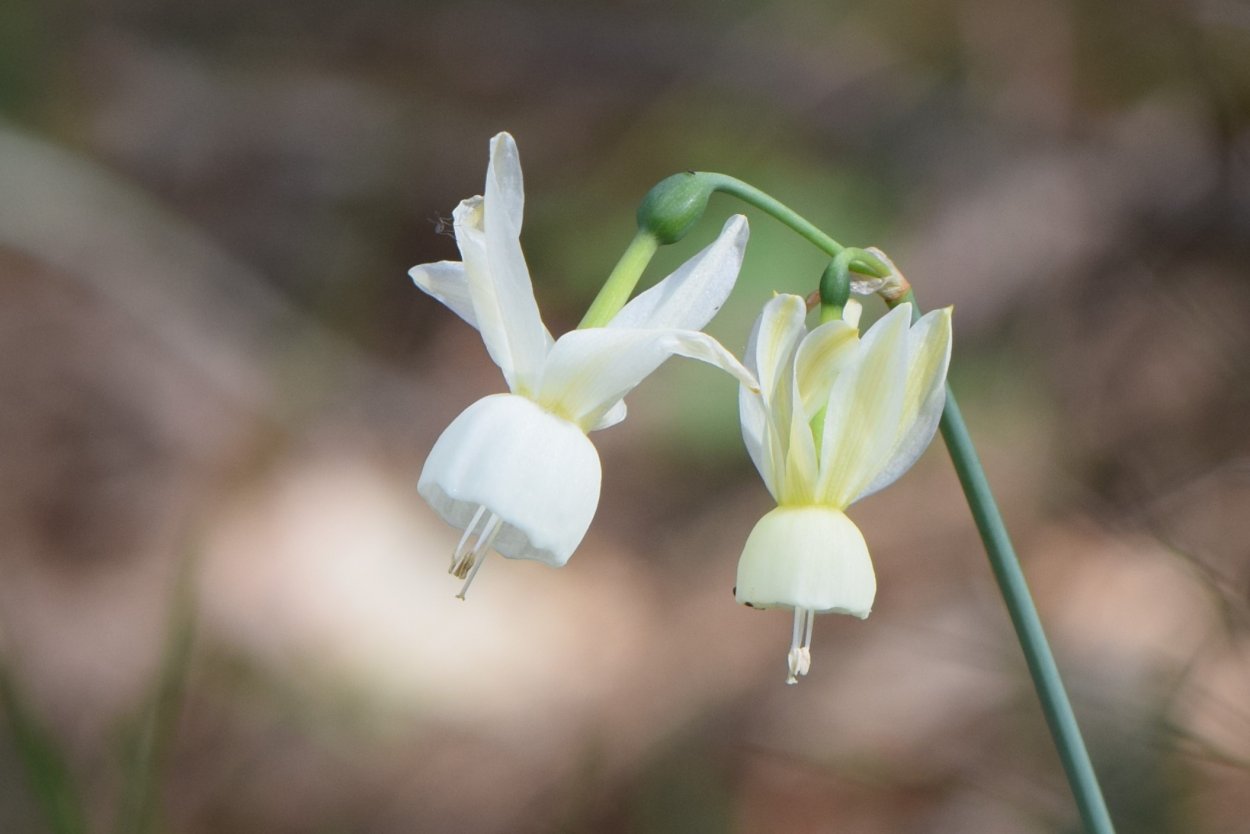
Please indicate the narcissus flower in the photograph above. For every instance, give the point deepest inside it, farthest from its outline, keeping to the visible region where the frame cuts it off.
(836, 418)
(516, 472)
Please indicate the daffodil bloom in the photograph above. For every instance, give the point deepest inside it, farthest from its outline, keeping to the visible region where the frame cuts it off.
(836, 418)
(516, 472)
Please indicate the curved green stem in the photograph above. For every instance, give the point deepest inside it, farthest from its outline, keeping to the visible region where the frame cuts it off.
(749, 194)
(620, 284)
(1028, 626)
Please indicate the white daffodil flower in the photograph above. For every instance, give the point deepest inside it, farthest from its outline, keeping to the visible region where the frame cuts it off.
(516, 472)
(836, 418)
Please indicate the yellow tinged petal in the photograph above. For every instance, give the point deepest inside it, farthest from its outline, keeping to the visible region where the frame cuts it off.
(863, 412)
(929, 350)
(799, 485)
(821, 357)
(929, 347)
(771, 347)
(770, 356)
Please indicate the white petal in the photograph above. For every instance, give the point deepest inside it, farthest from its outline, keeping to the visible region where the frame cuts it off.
(488, 233)
(505, 187)
(446, 281)
(807, 557)
(928, 357)
(589, 371)
(691, 296)
(614, 415)
(862, 415)
(538, 473)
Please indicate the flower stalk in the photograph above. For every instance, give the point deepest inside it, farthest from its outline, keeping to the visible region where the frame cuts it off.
(621, 282)
(865, 263)
(1015, 590)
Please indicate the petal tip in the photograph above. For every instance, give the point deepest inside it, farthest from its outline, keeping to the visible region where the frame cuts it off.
(738, 225)
(503, 141)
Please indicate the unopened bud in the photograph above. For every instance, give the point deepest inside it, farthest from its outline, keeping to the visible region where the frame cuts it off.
(673, 206)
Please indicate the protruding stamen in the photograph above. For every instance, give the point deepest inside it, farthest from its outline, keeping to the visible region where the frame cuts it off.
(806, 648)
(475, 559)
(793, 659)
(468, 531)
(464, 557)
(799, 659)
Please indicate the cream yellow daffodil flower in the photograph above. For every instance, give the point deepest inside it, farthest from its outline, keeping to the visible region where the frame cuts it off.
(835, 418)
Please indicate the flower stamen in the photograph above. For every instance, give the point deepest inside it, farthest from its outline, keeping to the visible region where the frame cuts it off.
(472, 562)
(800, 657)
(459, 552)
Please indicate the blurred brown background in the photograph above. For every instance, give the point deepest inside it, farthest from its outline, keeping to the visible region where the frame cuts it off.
(211, 356)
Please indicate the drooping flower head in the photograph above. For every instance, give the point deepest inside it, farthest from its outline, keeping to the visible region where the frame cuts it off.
(835, 419)
(516, 472)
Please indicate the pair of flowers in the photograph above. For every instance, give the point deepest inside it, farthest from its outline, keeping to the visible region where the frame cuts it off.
(827, 416)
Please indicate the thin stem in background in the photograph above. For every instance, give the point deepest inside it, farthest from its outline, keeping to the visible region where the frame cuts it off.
(47, 771)
(150, 737)
(1015, 590)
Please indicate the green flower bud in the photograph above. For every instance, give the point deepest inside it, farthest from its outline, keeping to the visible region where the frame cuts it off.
(673, 206)
(835, 283)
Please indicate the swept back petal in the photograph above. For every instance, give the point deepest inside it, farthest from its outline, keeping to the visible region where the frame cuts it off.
(691, 296)
(801, 466)
(761, 440)
(862, 415)
(488, 310)
(611, 417)
(500, 288)
(770, 348)
(821, 356)
(446, 281)
(505, 187)
(767, 420)
(501, 212)
(928, 357)
(589, 371)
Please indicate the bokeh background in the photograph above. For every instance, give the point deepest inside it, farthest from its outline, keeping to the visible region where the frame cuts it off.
(223, 607)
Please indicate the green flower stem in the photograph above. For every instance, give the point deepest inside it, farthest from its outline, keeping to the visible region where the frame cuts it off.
(828, 313)
(44, 761)
(151, 736)
(749, 194)
(1015, 591)
(620, 284)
